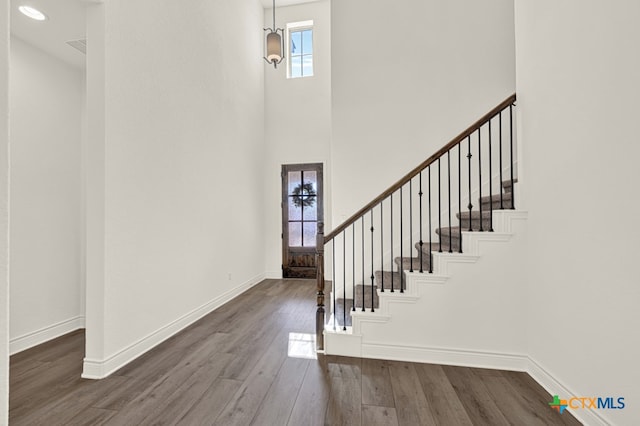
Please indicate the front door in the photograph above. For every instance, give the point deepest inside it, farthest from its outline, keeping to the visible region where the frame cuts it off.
(302, 209)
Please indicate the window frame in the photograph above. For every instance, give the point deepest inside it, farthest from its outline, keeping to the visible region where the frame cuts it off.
(294, 27)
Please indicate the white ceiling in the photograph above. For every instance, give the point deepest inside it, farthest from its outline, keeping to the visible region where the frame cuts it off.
(66, 22)
(279, 3)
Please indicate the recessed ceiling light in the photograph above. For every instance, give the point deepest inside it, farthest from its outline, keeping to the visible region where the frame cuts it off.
(32, 13)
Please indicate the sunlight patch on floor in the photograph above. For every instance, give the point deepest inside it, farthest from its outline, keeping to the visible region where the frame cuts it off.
(302, 345)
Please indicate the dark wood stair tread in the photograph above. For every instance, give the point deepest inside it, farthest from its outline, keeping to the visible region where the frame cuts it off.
(506, 184)
(453, 231)
(475, 214)
(435, 247)
(406, 263)
(496, 197)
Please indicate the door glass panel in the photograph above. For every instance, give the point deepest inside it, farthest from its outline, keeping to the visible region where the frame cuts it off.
(312, 178)
(303, 193)
(311, 213)
(295, 212)
(309, 236)
(294, 181)
(295, 234)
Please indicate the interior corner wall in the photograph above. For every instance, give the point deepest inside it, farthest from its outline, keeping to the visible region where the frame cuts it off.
(297, 120)
(578, 91)
(4, 213)
(46, 101)
(406, 79)
(183, 155)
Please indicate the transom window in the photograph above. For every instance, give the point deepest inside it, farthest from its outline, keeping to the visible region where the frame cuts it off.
(300, 40)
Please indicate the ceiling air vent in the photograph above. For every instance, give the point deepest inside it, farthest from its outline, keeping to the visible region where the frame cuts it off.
(81, 45)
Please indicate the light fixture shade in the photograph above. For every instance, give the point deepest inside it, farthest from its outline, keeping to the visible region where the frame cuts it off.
(32, 13)
(274, 47)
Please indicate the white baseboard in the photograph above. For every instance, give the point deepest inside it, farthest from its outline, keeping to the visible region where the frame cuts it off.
(45, 334)
(273, 275)
(99, 369)
(555, 387)
(466, 358)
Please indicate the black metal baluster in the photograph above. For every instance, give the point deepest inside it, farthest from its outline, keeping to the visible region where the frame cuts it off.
(353, 266)
(421, 243)
(392, 261)
(430, 228)
(401, 267)
(513, 193)
(469, 158)
(302, 211)
(372, 276)
(344, 280)
(500, 125)
(480, 172)
(449, 193)
(439, 209)
(363, 284)
(381, 250)
(410, 223)
(333, 279)
(490, 181)
(460, 194)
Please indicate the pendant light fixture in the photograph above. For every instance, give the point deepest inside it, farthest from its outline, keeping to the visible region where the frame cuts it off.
(274, 43)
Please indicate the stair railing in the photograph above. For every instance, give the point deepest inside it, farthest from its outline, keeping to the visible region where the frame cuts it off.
(357, 240)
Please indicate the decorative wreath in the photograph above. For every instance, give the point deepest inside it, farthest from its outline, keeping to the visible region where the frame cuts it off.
(304, 195)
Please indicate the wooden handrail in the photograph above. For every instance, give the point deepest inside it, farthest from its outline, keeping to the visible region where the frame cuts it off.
(393, 188)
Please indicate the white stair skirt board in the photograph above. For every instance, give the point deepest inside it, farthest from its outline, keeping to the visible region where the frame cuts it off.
(38, 337)
(99, 369)
(342, 343)
(454, 315)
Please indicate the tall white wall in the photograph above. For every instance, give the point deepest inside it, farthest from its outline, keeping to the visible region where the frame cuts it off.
(578, 91)
(406, 78)
(297, 119)
(176, 168)
(46, 101)
(4, 212)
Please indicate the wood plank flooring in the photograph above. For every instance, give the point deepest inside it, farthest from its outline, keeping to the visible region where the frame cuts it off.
(233, 368)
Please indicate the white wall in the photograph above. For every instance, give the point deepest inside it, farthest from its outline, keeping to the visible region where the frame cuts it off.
(46, 102)
(297, 119)
(578, 91)
(176, 170)
(407, 78)
(476, 310)
(4, 213)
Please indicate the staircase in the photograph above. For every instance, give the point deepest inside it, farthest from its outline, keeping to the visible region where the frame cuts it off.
(449, 242)
(401, 260)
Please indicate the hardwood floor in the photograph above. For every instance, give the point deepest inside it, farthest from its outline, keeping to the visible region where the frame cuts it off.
(233, 368)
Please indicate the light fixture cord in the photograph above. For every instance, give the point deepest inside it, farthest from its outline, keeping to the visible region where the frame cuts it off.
(274, 15)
